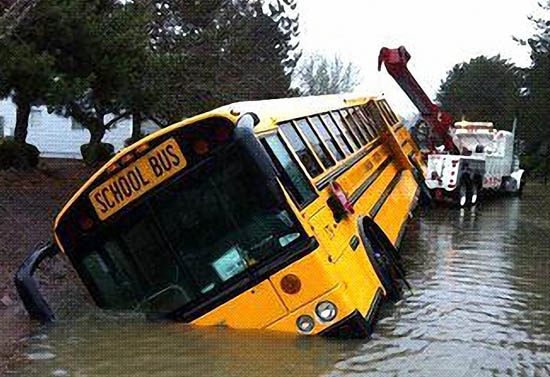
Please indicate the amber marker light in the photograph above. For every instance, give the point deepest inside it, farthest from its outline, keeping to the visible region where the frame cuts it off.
(127, 158)
(291, 284)
(142, 148)
(112, 167)
(200, 147)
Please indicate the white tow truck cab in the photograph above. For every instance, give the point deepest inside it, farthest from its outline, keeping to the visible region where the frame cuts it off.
(487, 161)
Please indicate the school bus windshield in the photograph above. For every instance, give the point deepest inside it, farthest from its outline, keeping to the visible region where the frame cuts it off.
(205, 231)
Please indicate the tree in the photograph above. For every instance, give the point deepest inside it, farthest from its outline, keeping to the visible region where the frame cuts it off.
(483, 89)
(25, 75)
(318, 75)
(241, 51)
(12, 12)
(163, 60)
(204, 54)
(99, 57)
(536, 113)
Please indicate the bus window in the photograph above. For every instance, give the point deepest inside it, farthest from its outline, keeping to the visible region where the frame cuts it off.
(292, 177)
(373, 111)
(315, 142)
(335, 130)
(304, 154)
(132, 266)
(370, 121)
(367, 123)
(388, 112)
(329, 140)
(356, 116)
(357, 130)
(340, 122)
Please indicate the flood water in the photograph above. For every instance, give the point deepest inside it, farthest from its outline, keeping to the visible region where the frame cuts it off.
(480, 306)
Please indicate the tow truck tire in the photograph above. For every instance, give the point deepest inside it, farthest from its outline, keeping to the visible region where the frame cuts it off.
(461, 199)
(474, 194)
(521, 186)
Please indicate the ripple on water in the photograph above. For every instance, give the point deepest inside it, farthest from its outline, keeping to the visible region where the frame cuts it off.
(40, 355)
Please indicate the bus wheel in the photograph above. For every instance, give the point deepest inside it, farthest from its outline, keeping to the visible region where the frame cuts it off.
(388, 272)
(384, 258)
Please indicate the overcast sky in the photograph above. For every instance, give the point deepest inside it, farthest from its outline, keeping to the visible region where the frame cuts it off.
(437, 33)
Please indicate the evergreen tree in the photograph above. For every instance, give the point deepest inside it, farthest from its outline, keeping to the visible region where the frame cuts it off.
(484, 89)
(243, 51)
(535, 109)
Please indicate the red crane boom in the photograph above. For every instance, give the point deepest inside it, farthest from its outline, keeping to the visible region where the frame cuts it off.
(440, 122)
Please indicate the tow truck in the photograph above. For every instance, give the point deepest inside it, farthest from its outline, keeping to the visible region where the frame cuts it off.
(463, 158)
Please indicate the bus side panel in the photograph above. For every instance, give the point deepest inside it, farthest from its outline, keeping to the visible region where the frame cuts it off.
(359, 277)
(334, 235)
(368, 200)
(316, 275)
(252, 309)
(395, 210)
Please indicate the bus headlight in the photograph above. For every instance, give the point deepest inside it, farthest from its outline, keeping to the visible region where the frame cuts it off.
(305, 323)
(326, 311)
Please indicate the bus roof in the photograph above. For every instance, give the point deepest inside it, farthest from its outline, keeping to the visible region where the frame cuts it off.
(274, 111)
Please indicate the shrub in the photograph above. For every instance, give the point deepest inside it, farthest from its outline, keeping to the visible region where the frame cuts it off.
(16, 155)
(94, 154)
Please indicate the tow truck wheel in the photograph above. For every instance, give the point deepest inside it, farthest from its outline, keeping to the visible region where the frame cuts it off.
(462, 195)
(521, 186)
(474, 194)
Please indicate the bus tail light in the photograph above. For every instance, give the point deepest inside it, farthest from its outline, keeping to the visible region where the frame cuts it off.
(291, 284)
(305, 323)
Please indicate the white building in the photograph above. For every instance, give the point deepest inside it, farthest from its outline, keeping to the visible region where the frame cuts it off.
(57, 136)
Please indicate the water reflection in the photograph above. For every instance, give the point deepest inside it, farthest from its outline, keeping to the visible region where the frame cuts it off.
(480, 307)
(103, 346)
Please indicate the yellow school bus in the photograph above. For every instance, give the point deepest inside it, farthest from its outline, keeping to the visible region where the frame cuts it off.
(280, 215)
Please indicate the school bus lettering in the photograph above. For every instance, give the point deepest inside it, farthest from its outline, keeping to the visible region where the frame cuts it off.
(164, 161)
(133, 181)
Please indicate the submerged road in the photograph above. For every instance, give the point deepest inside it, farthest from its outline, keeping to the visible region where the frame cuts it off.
(480, 306)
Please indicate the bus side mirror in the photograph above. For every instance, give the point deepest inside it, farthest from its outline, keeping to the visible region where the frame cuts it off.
(265, 174)
(27, 287)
